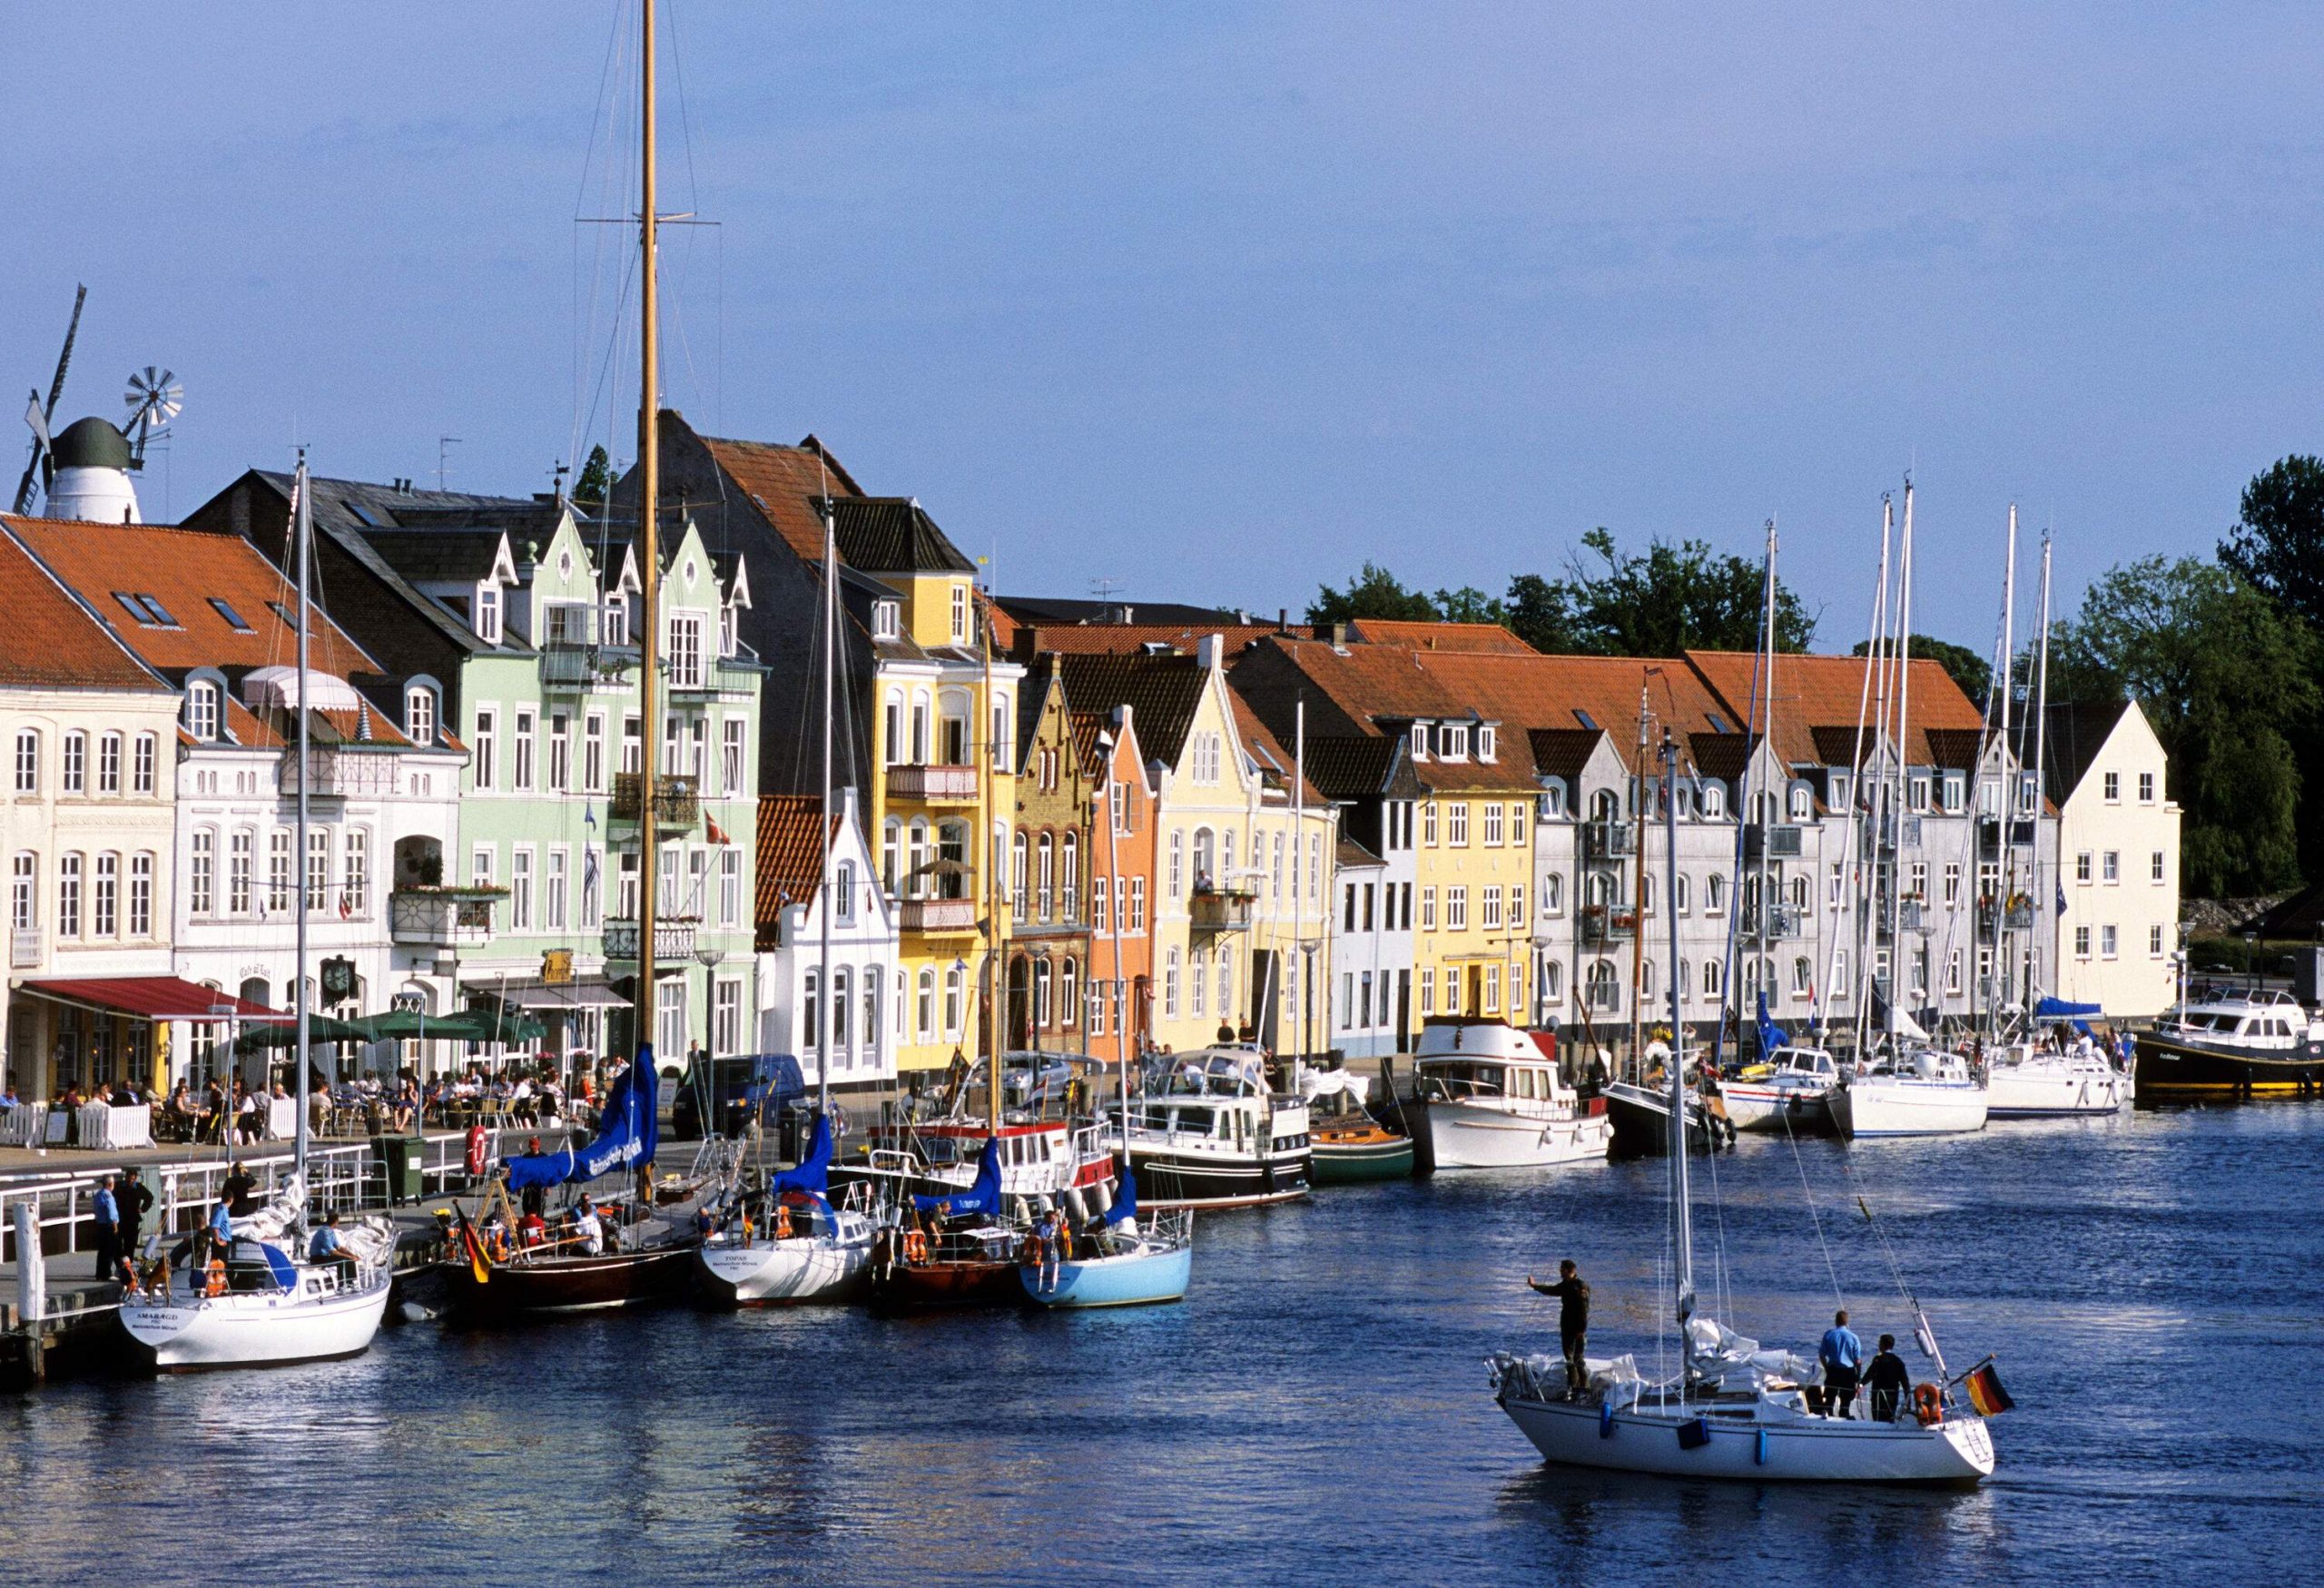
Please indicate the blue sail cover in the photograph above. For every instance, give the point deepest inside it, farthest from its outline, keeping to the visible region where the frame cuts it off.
(813, 1176)
(628, 1133)
(2059, 1009)
(1771, 1035)
(1126, 1199)
(984, 1197)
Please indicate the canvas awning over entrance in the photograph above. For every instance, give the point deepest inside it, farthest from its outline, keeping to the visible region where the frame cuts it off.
(156, 998)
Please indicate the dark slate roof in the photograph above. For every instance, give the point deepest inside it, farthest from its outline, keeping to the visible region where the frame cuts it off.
(1954, 748)
(1353, 766)
(439, 555)
(2072, 737)
(1564, 752)
(1048, 610)
(1721, 756)
(1163, 694)
(1836, 745)
(893, 535)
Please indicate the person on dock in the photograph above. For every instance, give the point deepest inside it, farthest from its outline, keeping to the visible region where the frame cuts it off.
(1887, 1380)
(1573, 1321)
(1842, 1355)
(239, 1190)
(132, 1201)
(106, 1211)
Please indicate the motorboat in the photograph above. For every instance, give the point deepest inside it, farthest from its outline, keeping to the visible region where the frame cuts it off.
(1207, 1130)
(1349, 1146)
(1921, 1091)
(960, 1250)
(2031, 1080)
(1488, 1096)
(2241, 1044)
(262, 1303)
(1640, 1120)
(1789, 1091)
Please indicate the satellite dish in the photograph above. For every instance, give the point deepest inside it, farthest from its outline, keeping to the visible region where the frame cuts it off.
(154, 398)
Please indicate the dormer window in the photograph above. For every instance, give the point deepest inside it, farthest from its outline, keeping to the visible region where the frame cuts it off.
(1714, 800)
(959, 615)
(1453, 739)
(1956, 791)
(1916, 792)
(202, 711)
(1488, 742)
(726, 631)
(1420, 741)
(1553, 800)
(1840, 791)
(488, 613)
(420, 717)
(1799, 802)
(887, 619)
(617, 620)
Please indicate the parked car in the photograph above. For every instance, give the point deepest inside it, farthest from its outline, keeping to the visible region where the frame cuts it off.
(734, 1093)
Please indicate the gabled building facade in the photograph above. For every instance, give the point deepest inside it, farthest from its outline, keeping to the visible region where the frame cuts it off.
(2116, 935)
(803, 1010)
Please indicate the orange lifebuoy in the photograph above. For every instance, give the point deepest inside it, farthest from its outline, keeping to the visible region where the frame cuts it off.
(475, 1150)
(214, 1277)
(782, 1222)
(1928, 1406)
(915, 1247)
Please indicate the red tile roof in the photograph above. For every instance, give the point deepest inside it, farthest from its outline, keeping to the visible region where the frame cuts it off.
(784, 483)
(1490, 637)
(790, 855)
(49, 641)
(1818, 698)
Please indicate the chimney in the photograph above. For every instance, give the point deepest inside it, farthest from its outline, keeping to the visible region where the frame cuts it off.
(1282, 613)
(1211, 651)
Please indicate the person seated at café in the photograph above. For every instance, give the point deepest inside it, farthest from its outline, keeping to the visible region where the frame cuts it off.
(249, 1119)
(8, 1094)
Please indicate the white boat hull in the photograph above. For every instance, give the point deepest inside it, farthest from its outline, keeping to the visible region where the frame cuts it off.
(1477, 1135)
(187, 1333)
(1803, 1449)
(784, 1273)
(1907, 1106)
(2041, 1092)
(1775, 1109)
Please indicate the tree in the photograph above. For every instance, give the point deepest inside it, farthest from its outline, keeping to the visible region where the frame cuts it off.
(597, 479)
(1373, 593)
(1538, 613)
(2227, 677)
(2277, 546)
(1673, 596)
(1469, 605)
(1963, 666)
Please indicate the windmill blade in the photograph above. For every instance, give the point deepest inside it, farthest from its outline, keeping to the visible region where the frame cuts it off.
(37, 418)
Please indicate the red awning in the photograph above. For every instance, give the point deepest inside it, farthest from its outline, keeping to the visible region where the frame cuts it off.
(154, 998)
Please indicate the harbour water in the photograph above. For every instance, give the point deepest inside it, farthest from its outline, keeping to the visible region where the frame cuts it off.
(1316, 1411)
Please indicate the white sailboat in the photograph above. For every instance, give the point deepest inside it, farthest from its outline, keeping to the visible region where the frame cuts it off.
(1733, 1410)
(1909, 1091)
(257, 1300)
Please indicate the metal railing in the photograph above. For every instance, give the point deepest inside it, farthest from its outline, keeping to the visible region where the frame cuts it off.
(932, 783)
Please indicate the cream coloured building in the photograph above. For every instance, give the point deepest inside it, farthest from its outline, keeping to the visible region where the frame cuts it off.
(2116, 902)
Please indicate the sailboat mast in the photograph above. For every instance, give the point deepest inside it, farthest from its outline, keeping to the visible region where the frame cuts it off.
(1116, 906)
(1896, 981)
(1639, 784)
(302, 526)
(649, 543)
(831, 1012)
(1298, 893)
(1860, 895)
(1678, 1195)
(992, 1010)
(1772, 798)
(2040, 762)
(2002, 978)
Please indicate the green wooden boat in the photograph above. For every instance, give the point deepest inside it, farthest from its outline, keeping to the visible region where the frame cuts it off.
(1354, 1149)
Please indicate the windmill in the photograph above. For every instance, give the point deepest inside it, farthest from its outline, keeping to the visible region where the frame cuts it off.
(38, 415)
(154, 398)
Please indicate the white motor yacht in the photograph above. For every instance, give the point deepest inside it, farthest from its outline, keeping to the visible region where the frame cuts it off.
(2027, 1080)
(1790, 1092)
(1489, 1097)
(1926, 1091)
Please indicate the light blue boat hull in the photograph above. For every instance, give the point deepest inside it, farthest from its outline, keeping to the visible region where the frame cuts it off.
(1134, 1279)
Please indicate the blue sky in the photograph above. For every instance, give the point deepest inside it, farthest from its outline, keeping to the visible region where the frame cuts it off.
(1216, 300)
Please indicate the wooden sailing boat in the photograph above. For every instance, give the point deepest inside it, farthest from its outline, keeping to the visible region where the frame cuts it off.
(1733, 1410)
(255, 1298)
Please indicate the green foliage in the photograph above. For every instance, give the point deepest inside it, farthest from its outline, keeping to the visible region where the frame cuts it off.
(1373, 593)
(597, 479)
(1674, 596)
(2277, 546)
(1963, 666)
(2227, 679)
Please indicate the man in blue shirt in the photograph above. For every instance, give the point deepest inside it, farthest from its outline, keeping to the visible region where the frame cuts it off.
(1842, 1355)
(107, 1212)
(325, 1247)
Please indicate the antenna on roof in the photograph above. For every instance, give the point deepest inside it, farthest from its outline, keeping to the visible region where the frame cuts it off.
(443, 464)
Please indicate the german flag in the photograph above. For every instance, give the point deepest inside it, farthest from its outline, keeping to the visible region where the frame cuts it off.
(480, 1266)
(1985, 1391)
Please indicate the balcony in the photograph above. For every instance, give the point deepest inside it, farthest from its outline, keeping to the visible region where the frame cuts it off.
(1994, 834)
(937, 917)
(1222, 909)
(1892, 831)
(716, 677)
(340, 774)
(676, 803)
(673, 938)
(1780, 842)
(441, 917)
(25, 948)
(576, 665)
(1604, 923)
(1609, 839)
(1912, 916)
(1774, 924)
(2016, 916)
(933, 785)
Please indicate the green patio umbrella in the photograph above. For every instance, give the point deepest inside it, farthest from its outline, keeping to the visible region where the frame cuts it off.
(319, 1029)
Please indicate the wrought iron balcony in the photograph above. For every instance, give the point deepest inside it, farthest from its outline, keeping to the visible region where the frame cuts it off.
(1994, 834)
(933, 784)
(1772, 923)
(673, 938)
(1222, 909)
(676, 801)
(1606, 923)
(441, 917)
(334, 773)
(1609, 839)
(1777, 841)
(577, 664)
(714, 676)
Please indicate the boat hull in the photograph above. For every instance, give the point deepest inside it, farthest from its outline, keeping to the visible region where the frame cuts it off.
(1463, 1135)
(551, 1286)
(1358, 1162)
(941, 1287)
(1957, 1452)
(2168, 1068)
(2039, 1091)
(258, 1329)
(1907, 1108)
(1167, 1178)
(1130, 1279)
(1777, 1110)
(1641, 1127)
(782, 1273)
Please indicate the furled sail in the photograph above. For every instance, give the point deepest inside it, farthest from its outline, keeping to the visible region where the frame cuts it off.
(628, 1130)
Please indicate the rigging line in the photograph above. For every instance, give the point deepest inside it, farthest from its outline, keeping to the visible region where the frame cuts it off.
(1888, 1252)
(599, 116)
(1815, 1216)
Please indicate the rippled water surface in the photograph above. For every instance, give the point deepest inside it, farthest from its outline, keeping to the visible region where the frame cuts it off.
(1316, 1411)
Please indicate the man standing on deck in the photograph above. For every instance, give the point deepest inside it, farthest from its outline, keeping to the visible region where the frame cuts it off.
(1842, 1355)
(1573, 1321)
(1889, 1381)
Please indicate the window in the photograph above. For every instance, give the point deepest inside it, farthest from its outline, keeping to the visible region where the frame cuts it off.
(560, 753)
(23, 893)
(731, 776)
(924, 1027)
(1049, 870)
(141, 777)
(1492, 989)
(108, 765)
(1177, 865)
(2113, 865)
(317, 868)
(1199, 984)
(729, 888)
(593, 861)
(2146, 788)
(2154, 941)
(202, 711)
(1070, 879)
(1101, 904)
(1554, 893)
(358, 896)
(1838, 791)
(1170, 977)
(1420, 741)
(1492, 826)
(106, 917)
(959, 614)
(617, 624)
(68, 896)
(241, 853)
(1951, 972)
(2082, 942)
(218, 605)
(2106, 942)
(1454, 740)
(1956, 792)
(1489, 910)
(593, 753)
(141, 894)
(955, 996)
(726, 1018)
(488, 613)
(2081, 866)
(1456, 824)
(1456, 909)
(633, 744)
(1953, 883)
(420, 717)
(2155, 867)
(2113, 788)
(1428, 822)
(886, 619)
(1487, 743)
(1553, 800)
(76, 763)
(485, 759)
(1917, 791)
(1137, 904)
(811, 1030)
(1428, 908)
(522, 767)
(555, 888)
(201, 873)
(698, 762)
(1714, 894)
(685, 650)
(1713, 976)
(278, 870)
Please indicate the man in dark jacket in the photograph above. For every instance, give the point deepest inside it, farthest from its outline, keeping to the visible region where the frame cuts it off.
(1887, 1378)
(132, 1200)
(1573, 1321)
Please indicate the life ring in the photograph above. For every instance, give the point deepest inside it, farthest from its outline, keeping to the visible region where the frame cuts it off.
(475, 1150)
(915, 1247)
(214, 1277)
(782, 1222)
(1928, 1406)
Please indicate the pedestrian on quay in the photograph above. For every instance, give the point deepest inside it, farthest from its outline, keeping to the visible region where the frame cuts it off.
(1573, 1321)
(132, 1201)
(107, 1212)
(1842, 1355)
(1887, 1380)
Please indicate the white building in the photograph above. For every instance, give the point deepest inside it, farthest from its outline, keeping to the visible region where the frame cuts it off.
(797, 1012)
(2117, 872)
